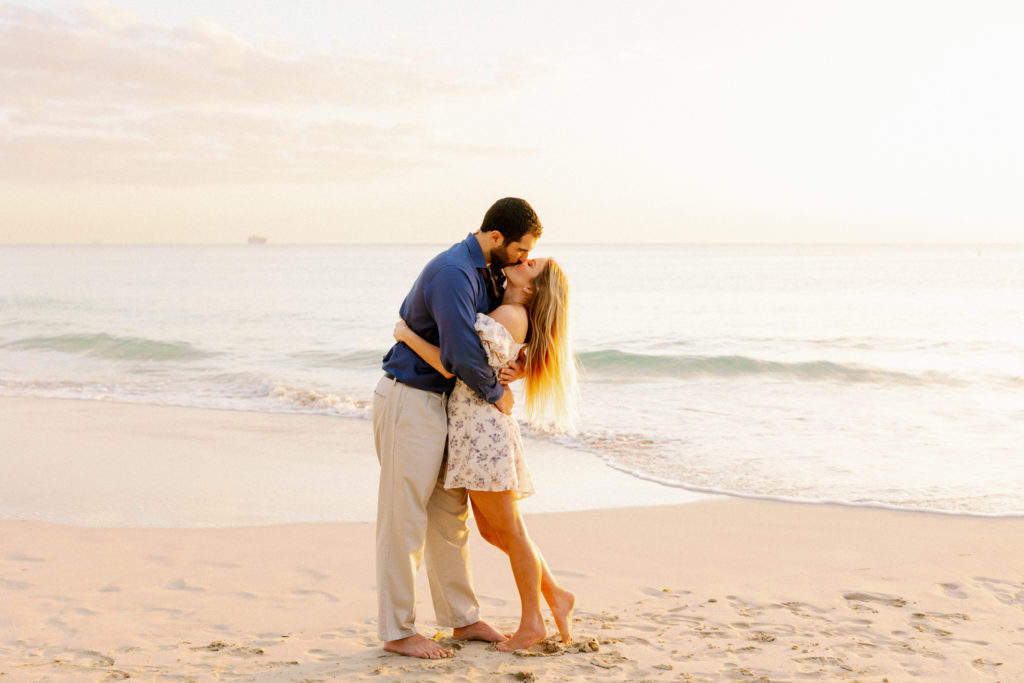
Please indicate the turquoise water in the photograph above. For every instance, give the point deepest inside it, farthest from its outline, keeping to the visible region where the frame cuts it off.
(889, 375)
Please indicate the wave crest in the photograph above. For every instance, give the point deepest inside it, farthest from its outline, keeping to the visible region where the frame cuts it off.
(110, 346)
(309, 400)
(619, 363)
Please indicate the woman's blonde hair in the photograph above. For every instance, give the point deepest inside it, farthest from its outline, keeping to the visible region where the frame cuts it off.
(550, 376)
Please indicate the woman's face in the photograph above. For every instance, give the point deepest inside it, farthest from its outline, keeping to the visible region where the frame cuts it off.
(522, 274)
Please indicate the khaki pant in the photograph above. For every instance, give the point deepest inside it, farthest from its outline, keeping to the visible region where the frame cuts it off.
(415, 513)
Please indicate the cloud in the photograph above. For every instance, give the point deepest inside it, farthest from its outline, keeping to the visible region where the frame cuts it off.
(109, 15)
(97, 95)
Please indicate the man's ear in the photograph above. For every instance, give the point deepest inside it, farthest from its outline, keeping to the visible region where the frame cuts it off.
(497, 239)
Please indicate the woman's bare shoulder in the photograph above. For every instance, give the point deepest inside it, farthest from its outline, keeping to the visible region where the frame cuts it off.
(513, 318)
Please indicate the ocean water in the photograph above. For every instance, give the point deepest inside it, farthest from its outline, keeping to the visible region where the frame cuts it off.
(865, 375)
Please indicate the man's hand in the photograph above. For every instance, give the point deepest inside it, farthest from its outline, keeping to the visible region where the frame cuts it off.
(505, 403)
(402, 331)
(514, 369)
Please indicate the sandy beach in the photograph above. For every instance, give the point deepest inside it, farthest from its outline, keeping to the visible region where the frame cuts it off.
(712, 589)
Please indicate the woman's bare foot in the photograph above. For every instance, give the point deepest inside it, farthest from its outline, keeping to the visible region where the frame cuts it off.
(480, 630)
(528, 635)
(417, 646)
(561, 606)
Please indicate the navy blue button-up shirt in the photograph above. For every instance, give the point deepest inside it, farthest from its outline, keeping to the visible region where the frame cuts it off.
(441, 307)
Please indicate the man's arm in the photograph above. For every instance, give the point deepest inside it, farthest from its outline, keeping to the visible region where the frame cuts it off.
(451, 300)
(424, 349)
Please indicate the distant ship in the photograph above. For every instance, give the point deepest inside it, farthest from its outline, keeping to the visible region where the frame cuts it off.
(257, 239)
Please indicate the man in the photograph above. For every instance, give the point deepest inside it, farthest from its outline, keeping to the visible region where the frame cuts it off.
(416, 515)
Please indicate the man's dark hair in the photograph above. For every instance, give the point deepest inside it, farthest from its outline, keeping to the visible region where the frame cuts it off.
(513, 218)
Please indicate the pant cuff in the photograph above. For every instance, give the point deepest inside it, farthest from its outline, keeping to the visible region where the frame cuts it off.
(397, 635)
(465, 620)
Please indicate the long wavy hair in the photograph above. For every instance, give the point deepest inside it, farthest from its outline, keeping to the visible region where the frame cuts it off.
(550, 376)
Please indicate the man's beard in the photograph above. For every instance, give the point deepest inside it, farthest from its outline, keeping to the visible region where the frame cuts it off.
(499, 257)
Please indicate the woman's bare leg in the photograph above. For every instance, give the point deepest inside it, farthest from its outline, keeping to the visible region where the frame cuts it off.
(500, 510)
(560, 601)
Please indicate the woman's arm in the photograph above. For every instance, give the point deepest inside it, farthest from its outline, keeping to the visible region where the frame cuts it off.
(424, 349)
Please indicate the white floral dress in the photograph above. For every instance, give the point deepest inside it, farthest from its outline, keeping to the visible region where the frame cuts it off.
(485, 448)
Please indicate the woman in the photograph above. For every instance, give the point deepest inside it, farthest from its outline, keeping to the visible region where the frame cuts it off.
(485, 448)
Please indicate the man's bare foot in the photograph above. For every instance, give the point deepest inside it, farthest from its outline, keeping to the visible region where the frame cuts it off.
(561, 609)
(528, 635)
(417, 646)
(480, 630)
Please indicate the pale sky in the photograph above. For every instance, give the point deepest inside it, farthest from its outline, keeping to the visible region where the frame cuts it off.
(326, 121)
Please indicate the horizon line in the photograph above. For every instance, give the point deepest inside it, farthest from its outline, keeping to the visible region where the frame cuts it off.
(555, 244)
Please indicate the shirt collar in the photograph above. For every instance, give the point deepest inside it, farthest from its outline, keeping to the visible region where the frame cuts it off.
(475, 253)
(494, 277)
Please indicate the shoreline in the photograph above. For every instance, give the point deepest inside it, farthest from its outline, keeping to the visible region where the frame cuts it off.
(140, 465)
(601, 484)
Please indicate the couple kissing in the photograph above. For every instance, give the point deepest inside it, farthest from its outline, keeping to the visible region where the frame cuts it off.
(479, 316)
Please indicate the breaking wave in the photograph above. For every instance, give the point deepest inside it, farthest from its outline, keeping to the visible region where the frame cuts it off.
(619, 363)
(111, 346)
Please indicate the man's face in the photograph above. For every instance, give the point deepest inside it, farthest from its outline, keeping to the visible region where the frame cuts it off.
(514, 252)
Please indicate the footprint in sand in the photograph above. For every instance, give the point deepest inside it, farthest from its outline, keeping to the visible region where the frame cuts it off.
(682, 608)
(937, 623)
(821, 665)
(323, 655)
(14, 585)
(803, 610)
(952, 618)
(238, 651)
(83, 658)
(987, 667)
(745, 608)
(864, 600)
(1006, 592)
(761, 637)
(314, 574)
(17, 557)
(676, 616)
(952, 590)
(326, 596)
(171, 611)
(58, 623)
(181, 585)
(710, 632)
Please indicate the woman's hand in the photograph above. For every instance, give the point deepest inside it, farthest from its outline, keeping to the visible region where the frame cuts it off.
(514, 369)
(401, 331)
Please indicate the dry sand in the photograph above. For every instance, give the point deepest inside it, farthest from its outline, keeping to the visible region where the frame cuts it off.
(715, 590)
